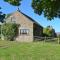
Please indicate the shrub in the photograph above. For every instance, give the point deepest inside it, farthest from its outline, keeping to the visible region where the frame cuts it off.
(10, 31)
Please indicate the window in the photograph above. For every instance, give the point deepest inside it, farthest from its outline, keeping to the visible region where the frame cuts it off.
(13, 19)
(24, 31)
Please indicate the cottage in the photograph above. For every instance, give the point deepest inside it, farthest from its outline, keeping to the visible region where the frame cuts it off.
(28, 27)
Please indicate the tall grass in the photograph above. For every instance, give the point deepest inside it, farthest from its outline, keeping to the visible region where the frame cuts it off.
(12, 50)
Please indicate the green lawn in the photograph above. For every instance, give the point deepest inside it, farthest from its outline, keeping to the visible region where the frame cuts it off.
(11, 50)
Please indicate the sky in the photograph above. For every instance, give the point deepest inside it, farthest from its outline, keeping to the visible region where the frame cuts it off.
(26, 8)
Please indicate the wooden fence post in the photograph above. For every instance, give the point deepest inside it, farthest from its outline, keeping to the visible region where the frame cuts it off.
(58, 40)
(45, 39)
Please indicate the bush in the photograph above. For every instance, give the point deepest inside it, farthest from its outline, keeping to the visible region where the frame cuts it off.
(10, 31)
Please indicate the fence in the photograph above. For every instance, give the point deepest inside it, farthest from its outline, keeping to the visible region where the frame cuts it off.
(47, 39)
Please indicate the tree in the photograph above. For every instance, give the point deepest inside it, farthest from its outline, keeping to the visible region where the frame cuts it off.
(50, 8)
(9, 31)
(2, 16)
(13, 2)
(49, 32)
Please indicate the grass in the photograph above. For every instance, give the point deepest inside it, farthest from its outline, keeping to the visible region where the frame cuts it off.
(12, 50)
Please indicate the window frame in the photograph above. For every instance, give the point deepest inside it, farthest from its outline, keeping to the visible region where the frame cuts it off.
(24, 32)
(13, 19)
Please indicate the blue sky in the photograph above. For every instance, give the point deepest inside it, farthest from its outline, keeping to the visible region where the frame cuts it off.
(26, 8)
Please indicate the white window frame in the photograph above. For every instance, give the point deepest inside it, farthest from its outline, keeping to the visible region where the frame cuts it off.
(24, 32)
